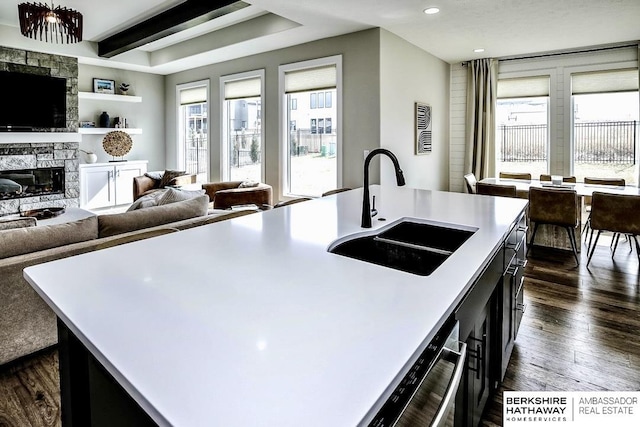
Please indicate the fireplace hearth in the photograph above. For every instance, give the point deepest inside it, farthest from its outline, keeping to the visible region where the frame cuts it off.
(15, 184)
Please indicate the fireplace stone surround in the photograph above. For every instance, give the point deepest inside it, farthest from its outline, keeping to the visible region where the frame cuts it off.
(22, 152)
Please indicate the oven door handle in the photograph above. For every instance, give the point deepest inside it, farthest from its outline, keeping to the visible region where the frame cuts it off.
(443, 410)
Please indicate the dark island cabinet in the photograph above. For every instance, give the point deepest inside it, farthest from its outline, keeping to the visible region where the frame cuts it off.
(489, 317)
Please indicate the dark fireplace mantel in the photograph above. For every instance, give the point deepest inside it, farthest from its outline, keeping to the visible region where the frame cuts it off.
(15, 184)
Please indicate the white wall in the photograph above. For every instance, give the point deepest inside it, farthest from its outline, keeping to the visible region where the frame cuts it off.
(409, 75)
(361, 111)
(147, 115)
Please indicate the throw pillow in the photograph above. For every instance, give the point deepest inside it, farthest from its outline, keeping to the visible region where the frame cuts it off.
(148, 200)
(156, 176)
(171, 195)
(248, 184)
(170, 175)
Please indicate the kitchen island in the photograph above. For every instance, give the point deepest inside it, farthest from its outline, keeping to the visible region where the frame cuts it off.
(251, 322)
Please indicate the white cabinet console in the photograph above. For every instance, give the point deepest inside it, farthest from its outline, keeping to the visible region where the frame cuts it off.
(109, 184)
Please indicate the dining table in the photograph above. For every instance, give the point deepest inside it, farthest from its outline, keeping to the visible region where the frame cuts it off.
(552, 236)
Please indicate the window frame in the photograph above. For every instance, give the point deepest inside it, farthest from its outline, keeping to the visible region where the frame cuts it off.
(284, 168)
(225, 171)
(180, 160)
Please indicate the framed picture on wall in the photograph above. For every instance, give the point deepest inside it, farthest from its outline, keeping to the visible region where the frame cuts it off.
(423, 128)
(104, 86)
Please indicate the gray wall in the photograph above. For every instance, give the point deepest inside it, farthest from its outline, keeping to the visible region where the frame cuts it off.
(361, 101)
(409, 74)
(147, 115)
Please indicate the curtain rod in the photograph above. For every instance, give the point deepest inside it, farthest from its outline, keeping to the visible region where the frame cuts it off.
(564, 52)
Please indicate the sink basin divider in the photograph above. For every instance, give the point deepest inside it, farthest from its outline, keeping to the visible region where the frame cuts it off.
(412, 245)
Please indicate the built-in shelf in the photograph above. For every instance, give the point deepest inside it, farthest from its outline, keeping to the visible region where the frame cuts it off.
(102, 131)
(35, 137)
(109, 97)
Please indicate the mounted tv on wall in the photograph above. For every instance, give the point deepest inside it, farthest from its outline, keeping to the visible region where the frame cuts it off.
(32, 102)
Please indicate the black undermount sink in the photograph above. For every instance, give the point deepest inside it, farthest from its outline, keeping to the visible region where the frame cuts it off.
(412, 246)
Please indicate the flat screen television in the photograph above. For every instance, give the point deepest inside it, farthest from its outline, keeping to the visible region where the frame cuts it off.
(31, 102)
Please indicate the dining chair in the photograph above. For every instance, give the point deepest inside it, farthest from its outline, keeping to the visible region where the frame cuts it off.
(614, 182)
(545, 177)
(335, 191)
(515, 175)
(616, 213)
(557, 207)
(471, 181)
(495, 189)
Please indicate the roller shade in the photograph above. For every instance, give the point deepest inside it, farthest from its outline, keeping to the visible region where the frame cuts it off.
(319, 78)
(604, 81)
(195, 95)
(239, 89)
(526, 87)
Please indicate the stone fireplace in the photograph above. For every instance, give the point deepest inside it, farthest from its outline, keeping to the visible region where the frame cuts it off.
(16, 159)
(24, 153)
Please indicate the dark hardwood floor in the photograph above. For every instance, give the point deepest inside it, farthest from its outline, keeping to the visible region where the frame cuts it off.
(580, 331)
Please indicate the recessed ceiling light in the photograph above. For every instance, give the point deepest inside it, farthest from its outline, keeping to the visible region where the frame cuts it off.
(479, 50)
(431, 10)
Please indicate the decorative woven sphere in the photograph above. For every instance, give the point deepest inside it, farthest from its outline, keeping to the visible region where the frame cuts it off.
(117, 143)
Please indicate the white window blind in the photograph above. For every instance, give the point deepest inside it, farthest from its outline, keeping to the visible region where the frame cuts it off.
(604, 81)
(525, 87)
(310, 79)
(245, 88)
(193, 95)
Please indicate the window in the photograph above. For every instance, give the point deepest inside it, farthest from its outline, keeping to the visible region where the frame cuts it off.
(311, 157)
(327, 123)
(294, 103)
(522, 134)
(292, 125)
(605, 124)
(242, 135)
(327, 99)
(193, 138)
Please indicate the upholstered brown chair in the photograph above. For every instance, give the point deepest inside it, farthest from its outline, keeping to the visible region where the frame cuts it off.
(619, 182)
(616, 213)
(336, 191)
(471, 181)
(515, 175)
(226, 194)
(614, 182)
(496, 189)
(557, 207)
(145, 184)
(545, 177)
(290, 202)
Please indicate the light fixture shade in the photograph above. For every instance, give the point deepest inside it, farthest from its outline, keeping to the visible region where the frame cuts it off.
(56, 25)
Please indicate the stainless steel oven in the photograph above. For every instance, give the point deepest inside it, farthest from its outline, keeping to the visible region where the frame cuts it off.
(426, 395)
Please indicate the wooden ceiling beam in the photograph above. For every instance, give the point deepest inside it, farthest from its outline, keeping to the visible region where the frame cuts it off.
(178, 18)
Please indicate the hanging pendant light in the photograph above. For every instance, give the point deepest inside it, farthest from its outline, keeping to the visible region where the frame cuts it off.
(56, 25)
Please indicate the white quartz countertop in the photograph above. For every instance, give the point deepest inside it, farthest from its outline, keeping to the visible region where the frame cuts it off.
(251, 322)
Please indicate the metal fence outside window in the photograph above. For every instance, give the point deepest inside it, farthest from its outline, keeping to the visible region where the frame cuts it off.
(594, 142)
(196, 155)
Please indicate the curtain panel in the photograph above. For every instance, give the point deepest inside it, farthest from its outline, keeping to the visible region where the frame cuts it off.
(480, 153)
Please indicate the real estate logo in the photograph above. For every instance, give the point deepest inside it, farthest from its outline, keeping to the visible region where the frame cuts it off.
(583, 409)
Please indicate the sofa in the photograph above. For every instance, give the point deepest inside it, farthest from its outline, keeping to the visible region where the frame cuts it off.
(226, 194)
(27, 324)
